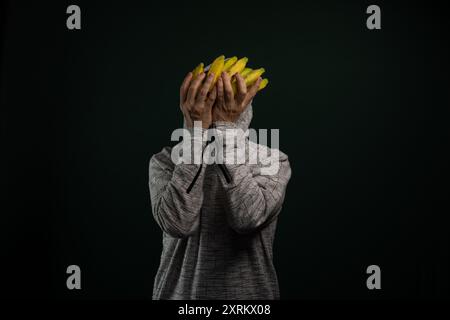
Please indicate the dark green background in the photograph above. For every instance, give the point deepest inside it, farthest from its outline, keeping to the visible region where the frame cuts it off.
(363, 116)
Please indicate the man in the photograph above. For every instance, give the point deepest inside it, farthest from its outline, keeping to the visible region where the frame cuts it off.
(218, 220)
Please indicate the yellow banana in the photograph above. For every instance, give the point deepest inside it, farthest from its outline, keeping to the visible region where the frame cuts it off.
(197, 70)
(232, 66)
(238, 66)
(263, 84)
(253, 76)
(245, 72)
(216, 68)
(229, 63)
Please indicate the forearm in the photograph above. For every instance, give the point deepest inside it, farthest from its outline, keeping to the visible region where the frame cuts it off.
(252, 198)
(248, 205)
(177, 189)
(177, 211)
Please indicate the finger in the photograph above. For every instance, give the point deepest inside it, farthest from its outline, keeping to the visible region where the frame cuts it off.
(241, 87)
(252, 92)
(195, 84)
(220, 92)
(229, 96)
(205, 87)
(211, 97)
(184, 87)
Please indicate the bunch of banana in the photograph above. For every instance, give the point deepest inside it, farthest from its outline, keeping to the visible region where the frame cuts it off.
(232, 66)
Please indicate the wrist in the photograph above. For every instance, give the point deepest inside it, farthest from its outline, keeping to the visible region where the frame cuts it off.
(220, 116)
(201, 124)
(224, 124)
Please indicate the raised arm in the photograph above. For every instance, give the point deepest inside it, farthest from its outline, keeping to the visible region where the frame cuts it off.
(254, 197)
(174, 208)
(176, 190)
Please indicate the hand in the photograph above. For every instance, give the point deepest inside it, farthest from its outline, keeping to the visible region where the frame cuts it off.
(195, 102)
(229, 106)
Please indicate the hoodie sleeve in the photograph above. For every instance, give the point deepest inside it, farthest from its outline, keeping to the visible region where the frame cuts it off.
(176, 192)
(254, 196)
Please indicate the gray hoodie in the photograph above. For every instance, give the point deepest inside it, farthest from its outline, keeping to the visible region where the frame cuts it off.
(218, 224)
